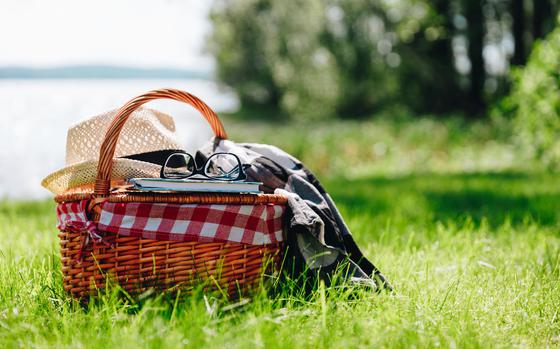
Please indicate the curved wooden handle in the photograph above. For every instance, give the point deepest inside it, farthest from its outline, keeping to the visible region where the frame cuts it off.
(107, 150)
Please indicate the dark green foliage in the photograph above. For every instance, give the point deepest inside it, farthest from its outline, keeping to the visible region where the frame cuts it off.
(535, 102)
(269, 52)
(350, 58)
(353, 58)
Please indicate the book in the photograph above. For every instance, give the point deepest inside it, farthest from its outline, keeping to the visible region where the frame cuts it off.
(164, 184)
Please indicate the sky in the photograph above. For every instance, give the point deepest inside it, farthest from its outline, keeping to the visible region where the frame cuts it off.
(138, 33)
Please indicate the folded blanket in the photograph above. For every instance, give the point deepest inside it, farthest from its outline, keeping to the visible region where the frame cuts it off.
(318, 240)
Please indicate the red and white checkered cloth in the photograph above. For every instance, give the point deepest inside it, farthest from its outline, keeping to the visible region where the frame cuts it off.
(68, 212)
(248, 224)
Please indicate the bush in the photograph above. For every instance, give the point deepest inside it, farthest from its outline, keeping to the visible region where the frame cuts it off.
(269, 51)
(535, 102)
(317, 58)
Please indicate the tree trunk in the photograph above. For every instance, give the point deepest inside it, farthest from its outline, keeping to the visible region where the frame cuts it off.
(543, 17)
(475, 36)
(518, 32)
(447, 92)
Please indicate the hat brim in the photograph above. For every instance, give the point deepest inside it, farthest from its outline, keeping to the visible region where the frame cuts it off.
(85, 172)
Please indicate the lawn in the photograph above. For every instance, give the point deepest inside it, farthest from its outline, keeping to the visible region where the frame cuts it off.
(466, 230)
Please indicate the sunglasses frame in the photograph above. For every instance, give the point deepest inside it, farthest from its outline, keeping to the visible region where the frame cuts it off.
(202, 170)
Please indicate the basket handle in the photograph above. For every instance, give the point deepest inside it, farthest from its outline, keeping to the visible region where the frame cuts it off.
(107, 150)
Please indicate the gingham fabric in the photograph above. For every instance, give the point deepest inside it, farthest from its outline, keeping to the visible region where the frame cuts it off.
(69, 212)
(72, 217)
(247, 224)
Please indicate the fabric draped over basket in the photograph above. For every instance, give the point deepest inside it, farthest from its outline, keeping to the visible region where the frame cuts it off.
(247, 224)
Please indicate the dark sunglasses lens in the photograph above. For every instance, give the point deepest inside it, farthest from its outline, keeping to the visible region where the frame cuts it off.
(179, 166)
(223, 166)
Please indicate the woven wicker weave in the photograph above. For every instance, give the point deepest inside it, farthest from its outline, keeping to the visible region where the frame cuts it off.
(138, 264)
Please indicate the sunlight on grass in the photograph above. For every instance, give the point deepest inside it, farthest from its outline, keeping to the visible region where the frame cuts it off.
(356, 149)
(474, 258)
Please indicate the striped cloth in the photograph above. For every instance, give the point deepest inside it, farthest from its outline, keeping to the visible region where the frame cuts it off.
(248, 224)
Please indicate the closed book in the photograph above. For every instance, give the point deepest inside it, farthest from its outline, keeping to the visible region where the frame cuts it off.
(164, 184)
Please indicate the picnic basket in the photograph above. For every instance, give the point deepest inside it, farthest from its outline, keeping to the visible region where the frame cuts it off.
(91, 256)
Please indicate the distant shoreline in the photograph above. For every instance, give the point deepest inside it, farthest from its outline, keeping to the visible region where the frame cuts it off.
(100, 72)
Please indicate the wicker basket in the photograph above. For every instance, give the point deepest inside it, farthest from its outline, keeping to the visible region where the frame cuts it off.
(138, 264)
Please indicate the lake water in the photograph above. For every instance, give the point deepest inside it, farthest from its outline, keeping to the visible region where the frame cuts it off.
(36, 114)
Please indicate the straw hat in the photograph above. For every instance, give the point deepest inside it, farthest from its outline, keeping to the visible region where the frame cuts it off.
(147, 131)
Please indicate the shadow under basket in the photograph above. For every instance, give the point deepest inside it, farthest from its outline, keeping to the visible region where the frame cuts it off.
(137, 264)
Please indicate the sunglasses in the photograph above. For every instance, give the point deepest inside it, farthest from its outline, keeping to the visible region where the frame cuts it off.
(219, 166)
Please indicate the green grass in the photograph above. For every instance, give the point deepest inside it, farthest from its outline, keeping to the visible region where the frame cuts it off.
(473, 253)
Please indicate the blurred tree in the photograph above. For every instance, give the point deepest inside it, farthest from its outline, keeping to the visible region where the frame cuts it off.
(535, 101)
(347, 57)
(519, 32)
(475, 38)
(354, 57)
(269, 51)
(240, 53)
(356, 36)
(429, 81)
(544, 17)
(531, 20)
(392, 52)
